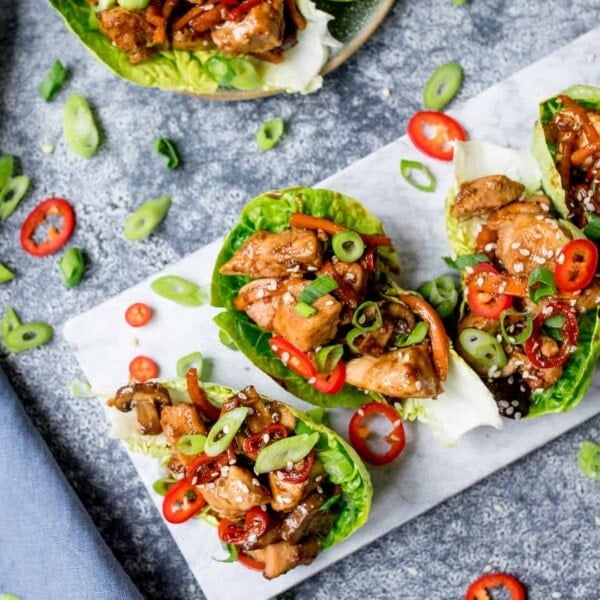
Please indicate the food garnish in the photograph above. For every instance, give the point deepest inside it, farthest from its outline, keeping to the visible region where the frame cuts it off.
(143, 368)
(72, 267)
(180, 290)
(424, 182)
(269, 134)
(442, 86)
(138, 314)
(146, 218)
(57, 218)
(588, 459)
(52, 81)
(434, 133)
(167, 149)
(479, 589)
(80, 129)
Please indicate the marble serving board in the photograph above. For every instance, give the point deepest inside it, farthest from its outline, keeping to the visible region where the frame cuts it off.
(426, 473)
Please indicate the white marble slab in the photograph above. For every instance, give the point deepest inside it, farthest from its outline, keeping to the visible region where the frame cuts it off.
(426, 474)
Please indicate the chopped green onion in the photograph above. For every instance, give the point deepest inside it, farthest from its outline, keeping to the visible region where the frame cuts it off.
(466, 260)
(221, 434)
(53, 81)
(269, 134)
(5, 274)
(317, 288)
(232, 554)
(226, 340)
(367, 317)
(219, 69)
(7, 164)
(161, 486)
(10, 321)
(305, 310)
(192, 360)
(80, 129)
(12, 194)
(482, 349)
(178, 290)
(553, 326)
(146, 218)
(416, 336)
(442, 294)
(588, 459)
(328, 357)
(134, 4)
(351, 337)
(80, 389)
(282, 452)
(348, 246)
(592, 229)
(519, 328)
(191, 444)
(104, 5)
(442, 86)
(165, 148)
(426, 181)
(541, 283)
(27, 336)
(246, 77)
(72, 266)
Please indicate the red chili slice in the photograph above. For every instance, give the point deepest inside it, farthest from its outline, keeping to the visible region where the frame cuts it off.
(181, 502)
(255, 524)
(250, 563)
(331, 383)
(143, 368)
(254, 443)
(576, 265)
(204, 468)
(57, 235)
(292, 357)
(360, 431)
(198, 397)
(433, 132)
(479, 588)
(300, 471)
(485, 304)
(239, 11)
(138, 314)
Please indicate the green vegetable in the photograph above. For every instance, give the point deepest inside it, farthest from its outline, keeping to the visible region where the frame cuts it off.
(317, 414)
(52, 81)
(348, 246)
(12, 194)
(442, 294)
(144, 220)
(416, 336)
(232, 554)
(134, 4)
(592, 229)
(588, 459)
(80, 129)
(541, 284)
(519, 328)
(269, 134)
(328, 357)
(305, 310)
(5, 274)
(221, 434)
(482, 349)
(72, 266)
(351, 336)
(226, 340)
(10, 321)
(246, 77)
(185, 363)
(27, 336)
(178, 289)
(7, 164)
(220, 69)
(321, 286)
(442, 86)
(367, 317)
(161, 486)
(191, 444)
(426, 181)
(280, 453)
(9, 597)
(165, 148)
(466, 260)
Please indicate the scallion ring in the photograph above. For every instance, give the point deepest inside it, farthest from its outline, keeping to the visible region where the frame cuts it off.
(12, 194)
(442, 86)
(416, 336)
(7, 164)
(442, 294)
(348, 246)
(245, 75)
(351, 336)
(482, 349)
(317, 288)
(72, 266)
(192, 360)
(553, 327)
(281, 453)
(411, 169)
(191, 444)
(5, 274)
(167, 150)
(367, 317)
(178, 290)
(27, 336)
(328, 357)
(10, 321)
(161, 486)
(221, 434)
(305, 310)
(80, 129)
(219, 69)
(269, 134)
(540, 284)
(519, 327)
(142, 222)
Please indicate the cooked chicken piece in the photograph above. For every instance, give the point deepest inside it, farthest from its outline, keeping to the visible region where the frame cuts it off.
(491, 326)
(266, 254)
(260, 30)
(281, 557)
(402, 373)
(286, 494)
(589, 297)
(235, 492)
(271, 536)
(353, 274)
(306, 333)
(375, 342)
(258, 300)
(129, 31)
(535, 378)
(308, 520)
(176, 421)
(486, 194)
(188, 39)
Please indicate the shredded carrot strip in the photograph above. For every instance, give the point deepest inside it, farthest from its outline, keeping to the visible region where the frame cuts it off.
(590, 131)
(305, 221)
(494, 283)
(188, 16)
(580, 155)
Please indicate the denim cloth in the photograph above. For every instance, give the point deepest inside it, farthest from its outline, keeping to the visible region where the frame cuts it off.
(49, 547)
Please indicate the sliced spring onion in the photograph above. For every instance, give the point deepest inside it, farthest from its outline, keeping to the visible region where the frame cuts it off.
(178, 290)
(219, 69)
(72, 266)
(442, 86)
(418, 175)
(348, 246)
(466, 260)
(519, 327)
(80, 129)
(10, 321)
(221, 434)
(192, 360)
(305, 310)
(588, 459)
(282, 452)
(416, 336)
(553, 327)
(12, 194)
(442, 294)
(351, 336)
(317, 288)
(5, 274)
(167, 149)
(161, 486)
(191, 444)
(246, 77)
(541, 283)
(328, 357)
(269, 134)
(482, 349)
(592, 229)
(134, 4)
(7, 164)
(146, 218)
(226, 340)
(367, 317)
(52, 81)
(232, 554)
(27, 336)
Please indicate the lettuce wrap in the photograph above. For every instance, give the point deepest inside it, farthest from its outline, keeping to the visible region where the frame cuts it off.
(474, 160)
(186, 71)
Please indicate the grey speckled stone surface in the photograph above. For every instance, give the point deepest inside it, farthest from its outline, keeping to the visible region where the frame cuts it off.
(538, 518)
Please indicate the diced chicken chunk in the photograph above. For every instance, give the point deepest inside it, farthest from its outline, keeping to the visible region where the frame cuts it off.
(129, 31)
(308, 520)
(281, 557)
(258, 300)
(486, 194)
(177, 421)
(286, 494)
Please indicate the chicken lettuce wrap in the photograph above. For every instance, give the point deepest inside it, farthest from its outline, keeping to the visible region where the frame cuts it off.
(529, 324)
(279, 486)
(202, 47)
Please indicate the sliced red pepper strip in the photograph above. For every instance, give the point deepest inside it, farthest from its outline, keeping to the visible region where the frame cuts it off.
(250, 563)
(181, 502)
(359, 432)
(255, 524)
(569, 331)
(198, 397)
(143, 368)
(483, 303)
(478, 590)
(239, 11)
(38, 217)
(204, 468)
(301, 470)
(292, 357)
(576, 265)
(254, 443)
(138, 314)
(446, 130)
(333, 382)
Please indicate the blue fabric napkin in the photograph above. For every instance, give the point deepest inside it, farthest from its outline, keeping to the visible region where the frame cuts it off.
(49, 546)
